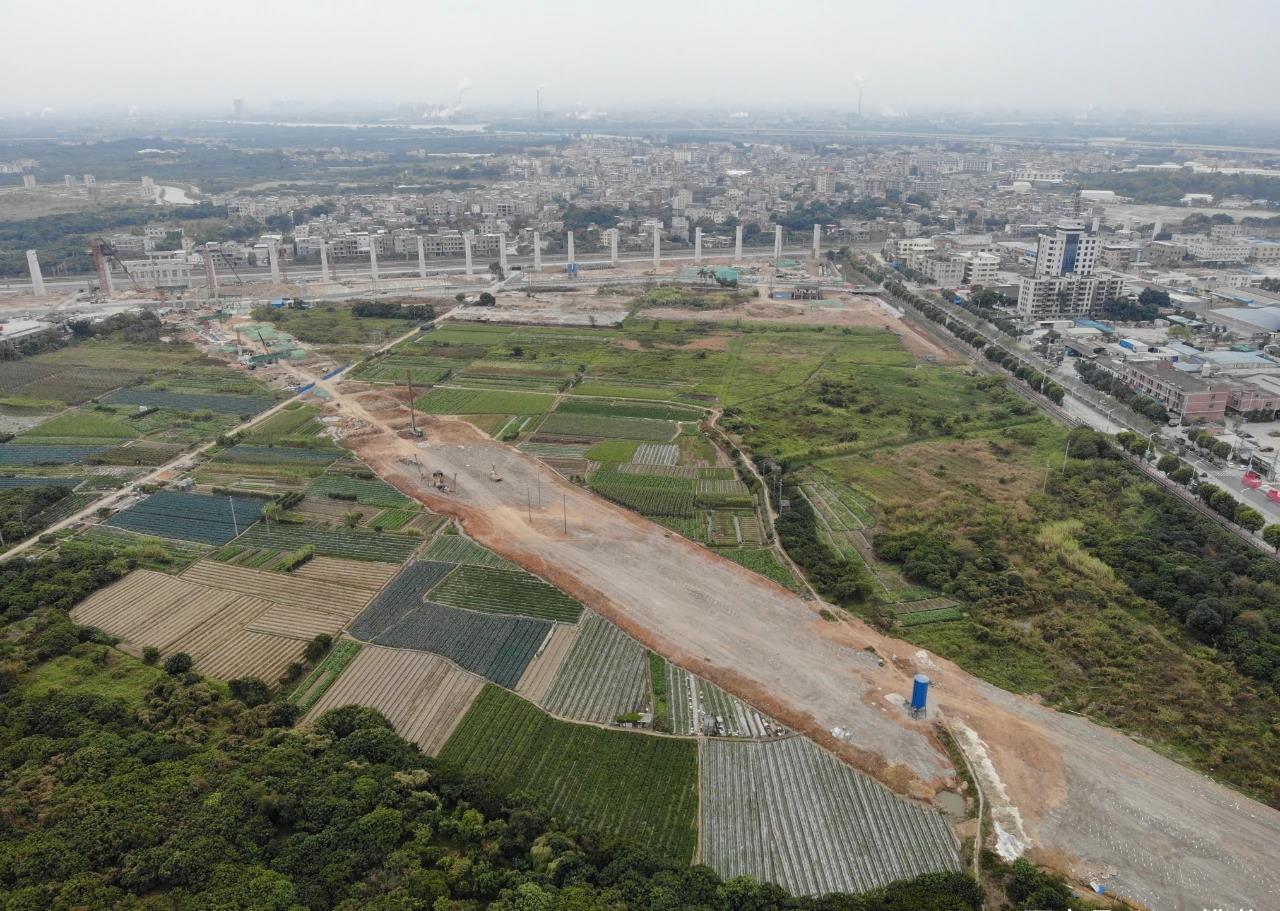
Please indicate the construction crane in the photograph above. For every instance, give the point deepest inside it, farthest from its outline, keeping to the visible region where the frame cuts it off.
(413, 421)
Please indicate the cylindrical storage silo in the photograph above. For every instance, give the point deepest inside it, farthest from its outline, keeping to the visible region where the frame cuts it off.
(919, 693)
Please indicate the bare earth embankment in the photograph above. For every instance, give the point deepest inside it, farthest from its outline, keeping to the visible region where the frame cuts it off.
(1079, 796)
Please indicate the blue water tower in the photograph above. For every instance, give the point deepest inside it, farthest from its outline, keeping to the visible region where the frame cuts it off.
(919, 694)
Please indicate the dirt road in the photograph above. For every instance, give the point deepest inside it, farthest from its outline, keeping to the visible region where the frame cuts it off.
(1076, 795)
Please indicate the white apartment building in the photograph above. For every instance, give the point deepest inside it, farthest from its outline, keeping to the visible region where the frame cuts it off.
(981, 268)
(1064, 285)
(1065, 297)
(1041, 175)
(1209, 249)
(1070, 250)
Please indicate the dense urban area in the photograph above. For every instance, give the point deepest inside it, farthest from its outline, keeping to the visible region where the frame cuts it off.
(728, 512)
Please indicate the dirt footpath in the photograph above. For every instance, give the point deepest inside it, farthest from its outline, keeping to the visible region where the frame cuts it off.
(1074, 794)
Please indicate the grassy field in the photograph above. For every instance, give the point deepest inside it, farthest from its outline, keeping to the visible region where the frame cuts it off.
(334, 325)
(612, 782)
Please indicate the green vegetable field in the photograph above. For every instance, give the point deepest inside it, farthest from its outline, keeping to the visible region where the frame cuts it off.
(613, 782)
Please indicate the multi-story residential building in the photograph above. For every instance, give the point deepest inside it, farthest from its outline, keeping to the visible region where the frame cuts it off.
(1070, 250)
(1064, 285)
(1065, 297)
(981, 268)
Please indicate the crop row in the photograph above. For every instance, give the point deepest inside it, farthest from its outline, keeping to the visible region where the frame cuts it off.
(392, 519)
(422, 695)
(699, 707)
(603, 677)
(502, 592)
(183, 401)
(8, 482)
(315, 685)
(496, 646)
(603, 427)
(484, 401)
(762, 560)
(386, 547)
(657, 454)
(404, 593)
(269, 454)
(190, 516)
(937, 615)
(19, 454)
(784, 811)
(519, 383)
(556, 450)
(367, 491)
(614, 783)
(622, 409)
(657, 496)
(459, 549)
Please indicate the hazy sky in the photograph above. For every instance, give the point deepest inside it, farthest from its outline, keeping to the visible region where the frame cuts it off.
(1064, 55)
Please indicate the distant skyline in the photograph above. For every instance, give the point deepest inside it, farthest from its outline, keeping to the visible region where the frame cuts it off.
(1174, 58)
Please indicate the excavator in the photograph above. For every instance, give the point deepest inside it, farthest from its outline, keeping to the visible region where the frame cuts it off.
(493, 473)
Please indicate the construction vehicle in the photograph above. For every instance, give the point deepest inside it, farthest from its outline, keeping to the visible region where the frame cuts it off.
(437, 480)
(493, 473)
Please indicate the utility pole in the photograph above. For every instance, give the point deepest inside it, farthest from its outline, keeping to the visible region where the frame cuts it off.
(234, 524)
(564, 511)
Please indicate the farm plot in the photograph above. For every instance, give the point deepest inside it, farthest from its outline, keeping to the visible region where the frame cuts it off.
(699, 707)
(357, 574)
(556, 450)
(385, 547)
(542, 670)
(622, 409)
(148, 608)
(484, 401)
(317, 683)
(365, 491)
(480, 380)
(459, 549)
(604, 676)
(402, 370)
(10, 482)
(501, 592)
(270, 454)
(687, 472)
(190, 516)
(64, 508)
(784, 811)
(296, 423)
(396, 600)
(422, 695)
(762, 560)
(335, 602)
(649, 495)
(604, 427)
(56, 454)
(495, 646)
(82, 424)
(391, 519)
(616, 783)
(657, 454)
(189, 401)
